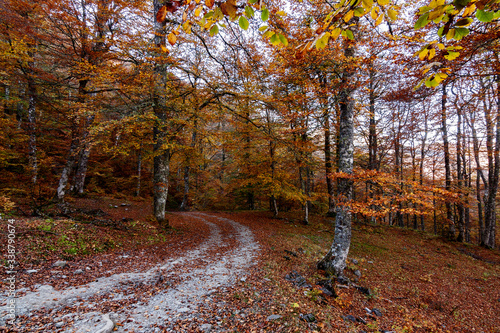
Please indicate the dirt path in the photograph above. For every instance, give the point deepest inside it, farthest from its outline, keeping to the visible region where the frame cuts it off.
(149, 301)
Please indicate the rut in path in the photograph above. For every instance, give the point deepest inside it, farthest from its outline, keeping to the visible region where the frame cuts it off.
(216, 266)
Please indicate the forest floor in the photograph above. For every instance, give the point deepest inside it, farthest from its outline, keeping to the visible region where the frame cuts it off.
(240, 272)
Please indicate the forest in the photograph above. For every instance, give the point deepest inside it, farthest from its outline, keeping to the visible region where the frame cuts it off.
(360, 114)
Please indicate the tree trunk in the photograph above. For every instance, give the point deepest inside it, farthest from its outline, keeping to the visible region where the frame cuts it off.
(161, 159)
(447, 167)
(139, 172)
(335, 260)
(32, 150)
(83, 158)
(460, 178)
(493, 172)
(329, 165)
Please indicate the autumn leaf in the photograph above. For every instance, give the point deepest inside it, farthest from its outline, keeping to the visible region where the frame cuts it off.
(229, 8)
(171, 38)
(162, 14)
(209, 3)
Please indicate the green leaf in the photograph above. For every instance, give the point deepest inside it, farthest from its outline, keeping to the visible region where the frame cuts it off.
(243, 22)
(249, 12)
(214, 30)
(264, 15)
(359, 11)
(460, 32)
(263, 28)
(440, 31)
(348, 33)
(283, 39)
(252, 1)
(275, 40)
(422, 21)
(485, 16)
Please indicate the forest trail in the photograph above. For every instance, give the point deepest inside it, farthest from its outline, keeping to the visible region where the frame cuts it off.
(168, 292)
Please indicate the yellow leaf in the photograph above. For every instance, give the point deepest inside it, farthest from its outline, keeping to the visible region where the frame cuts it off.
(393, 15)
(374, 13)
(164, 49)
(379, 20)
(450, 34)
(422, 54)
(335, 33)
(469, 10)
(209, 3)
(383, 2)
(432, 53)
(171, 38)
(197, 11)
(440, 46)
(348, 16)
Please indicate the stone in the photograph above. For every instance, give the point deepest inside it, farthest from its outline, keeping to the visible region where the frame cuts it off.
(31, 271)
(78, 271)
(343, 280)
(354, 261)
(297, 279)
(327, 288)
(377, 312)
(59, 324)
(364, 290)
(361, 320)
(357, 273)
(60, 263)
(273, 317)
(206, 327)
(350, 318)
(308, 318)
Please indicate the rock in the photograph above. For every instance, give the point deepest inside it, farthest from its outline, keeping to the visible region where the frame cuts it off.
(243, 279)
(327, 288)
(87, 268)
(183, 310)
(368, 311)
(350, 318)
(291, 253)
(354, 261)
(31, 271)
(343, 280)
(361, 320)
(364, 290)
(206, 327)
(60, 263)
(78, 271)
(357, 273)
(297, 279)
(273, 317)
(377, 312)
(59, 324)
(308, 318)
(108, 326)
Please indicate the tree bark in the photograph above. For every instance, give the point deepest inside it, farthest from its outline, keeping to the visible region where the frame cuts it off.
(335, 260)
(447, 167)
(161, 159)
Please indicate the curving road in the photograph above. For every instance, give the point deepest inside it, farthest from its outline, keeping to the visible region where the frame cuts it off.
(211, 265)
